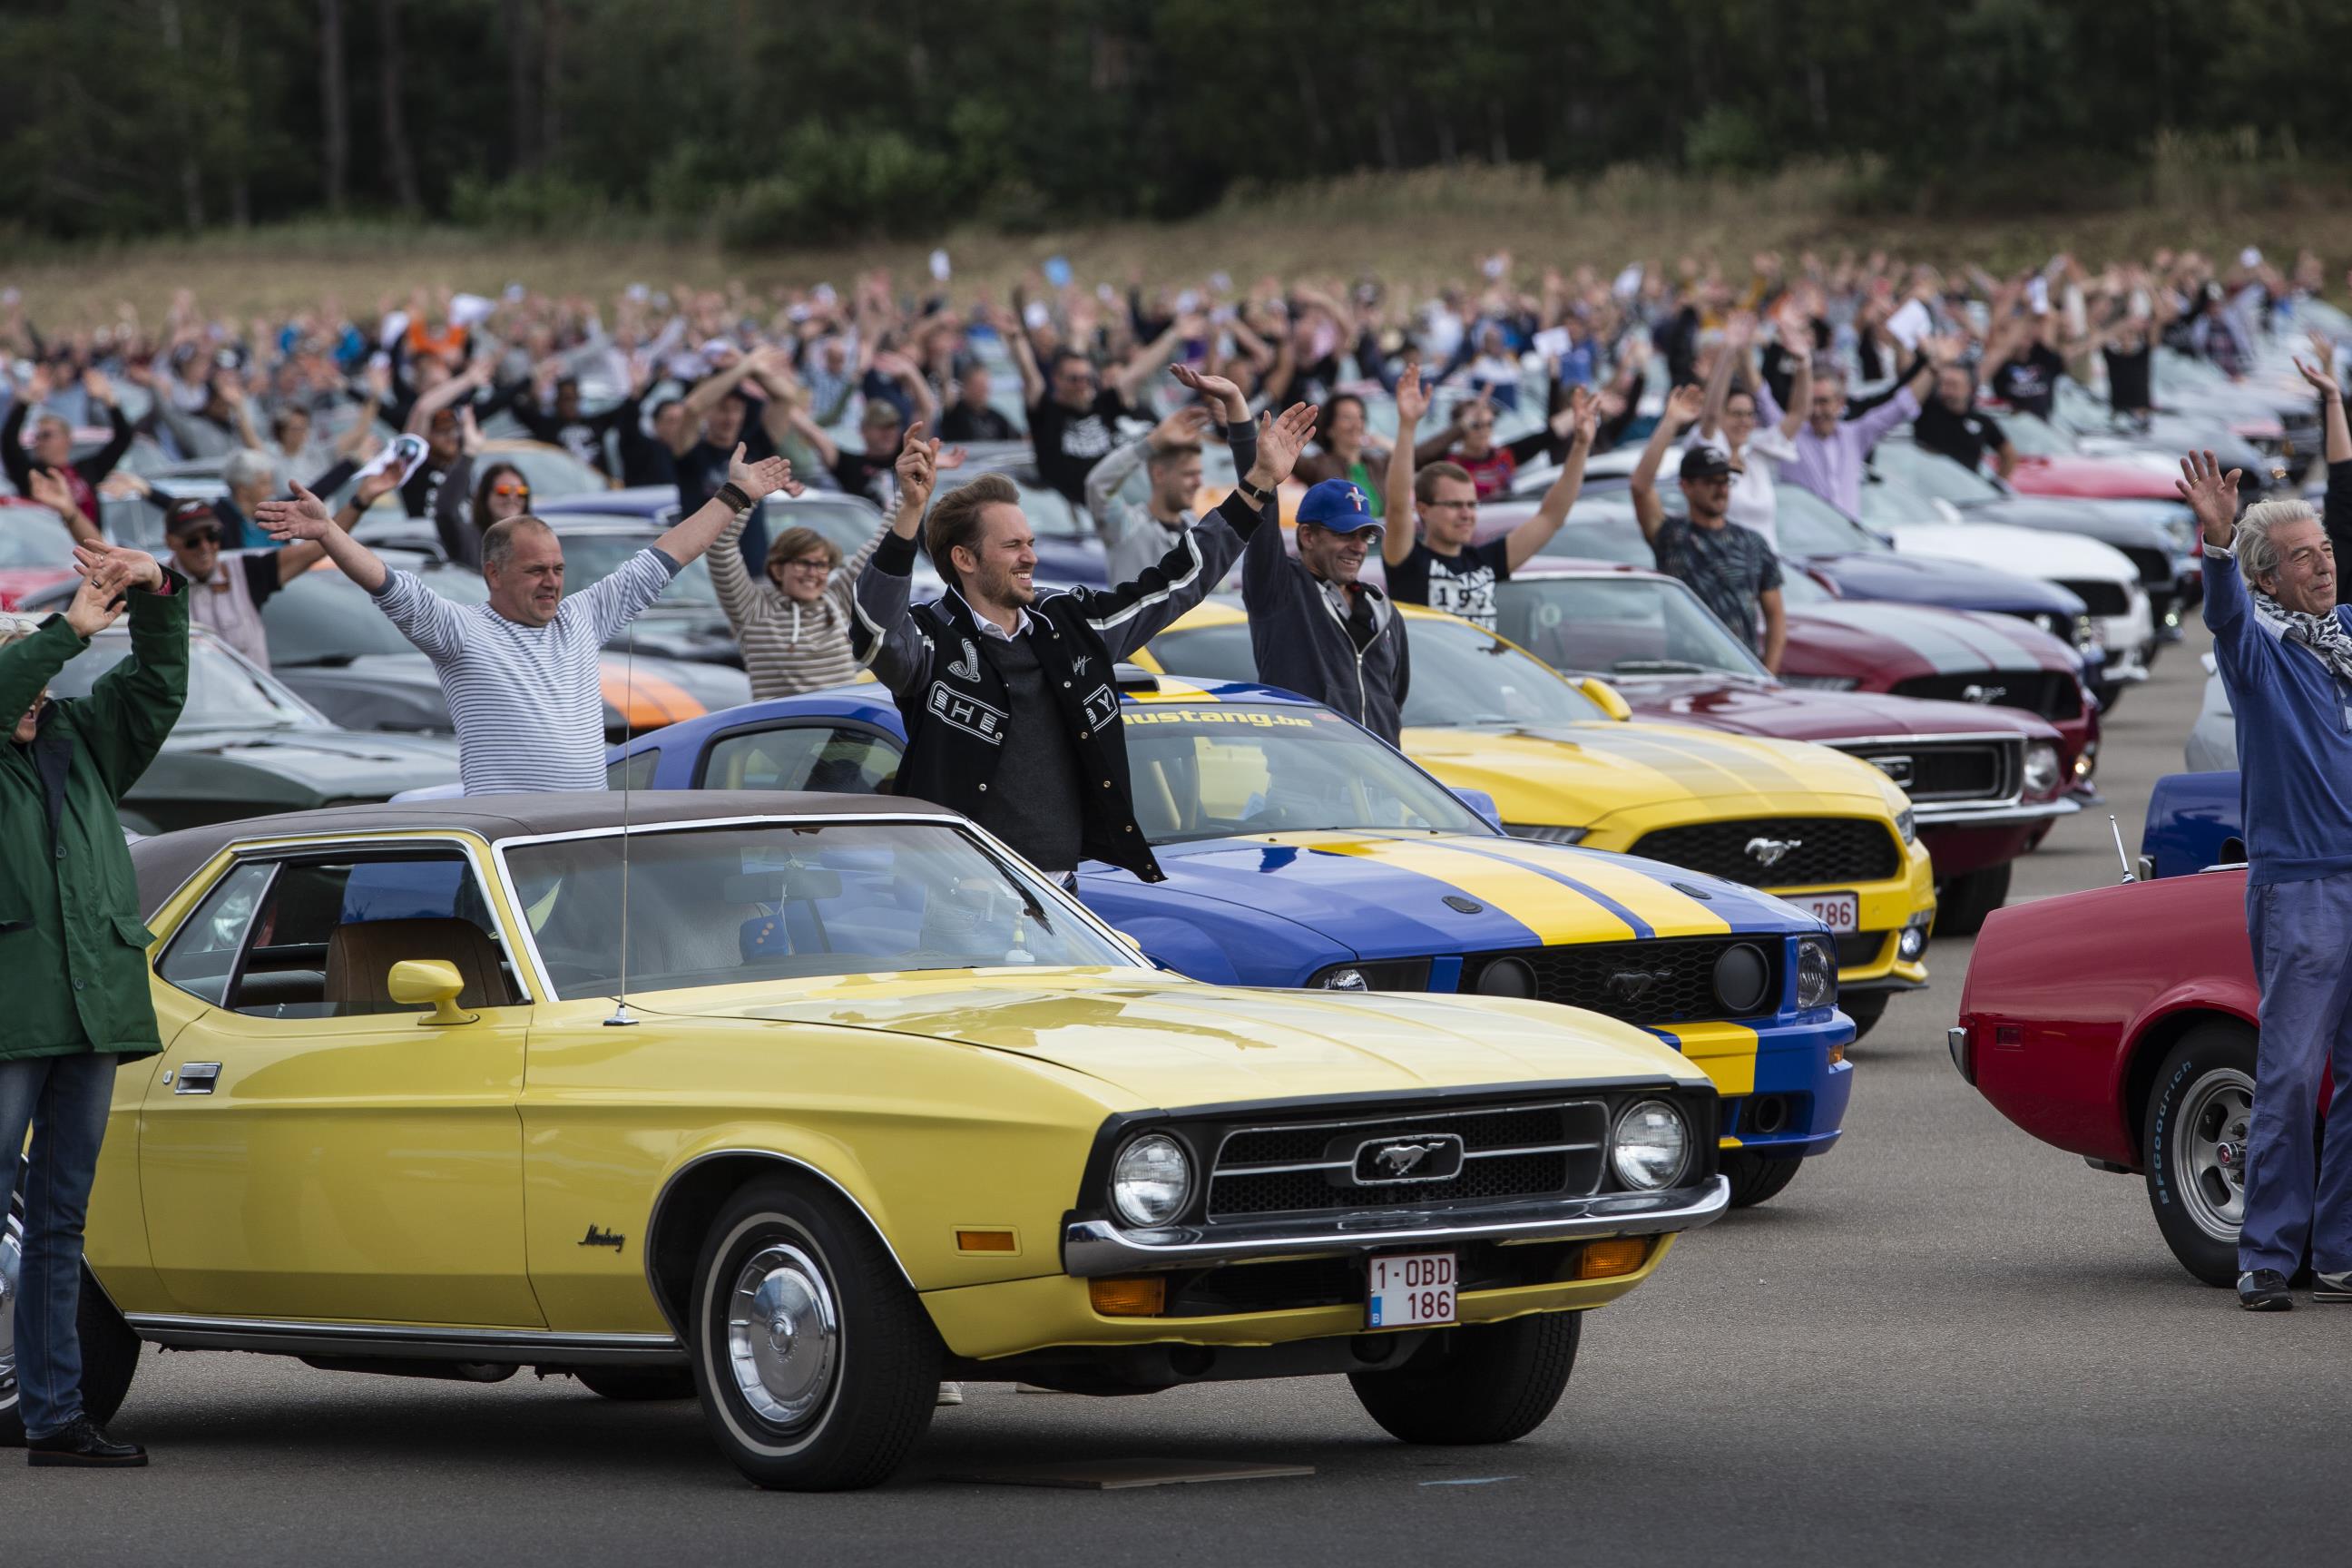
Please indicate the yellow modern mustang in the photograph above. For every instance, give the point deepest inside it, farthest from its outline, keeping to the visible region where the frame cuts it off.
(1826, 831)
(881, 1105)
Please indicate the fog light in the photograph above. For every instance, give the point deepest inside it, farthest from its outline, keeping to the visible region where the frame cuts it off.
(1146, 1296)
(1507, 977)
(1911, 944)
(1743, 981)
(1607, 1259)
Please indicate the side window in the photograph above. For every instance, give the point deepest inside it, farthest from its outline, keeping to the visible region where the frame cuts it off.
(200, 956)
(831, 759)
(635, 771)
(327, 931)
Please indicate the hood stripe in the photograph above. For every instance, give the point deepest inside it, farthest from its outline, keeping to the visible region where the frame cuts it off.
(1725, 1052)
(1509, 887)
(1640, 928)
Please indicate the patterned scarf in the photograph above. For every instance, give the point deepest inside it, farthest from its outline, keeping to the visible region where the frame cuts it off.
(2324, 634)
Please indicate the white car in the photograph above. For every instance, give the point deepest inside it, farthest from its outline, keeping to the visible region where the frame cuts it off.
(2213, 740)
(2101, 576)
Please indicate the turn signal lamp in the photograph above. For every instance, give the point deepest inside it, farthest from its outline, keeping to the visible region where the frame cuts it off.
(1607, 1259)
(1135, 1298)
(986, 1241)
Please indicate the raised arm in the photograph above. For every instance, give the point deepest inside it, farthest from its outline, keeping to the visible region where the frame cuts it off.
(463, 385)
(1733, 349)
(100, 463)
(1025, 352)
(1411, 401)
(2331, 405)
(1682, 406)
(1144, 363)
(827, 450)
(1528, 539)
(705, 394)
(51, 490)
(305, 516)
(881, 635)
(1800, 355)
(747, 485)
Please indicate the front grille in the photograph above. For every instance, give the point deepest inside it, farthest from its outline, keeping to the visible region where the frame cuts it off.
(1665, 981)
(2155, 565)
(2100, 596)
(2052, 693)
(1826, 849)
(1861, 949)
(1952, 770)
(1506, 1153)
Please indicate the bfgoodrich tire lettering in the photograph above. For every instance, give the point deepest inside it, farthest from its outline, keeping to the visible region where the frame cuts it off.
(2191, 1146)
(1489, 1382)
(817, 1367)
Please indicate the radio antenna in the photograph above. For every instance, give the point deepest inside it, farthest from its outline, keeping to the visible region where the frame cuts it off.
(2117, 829)
(621, 1018)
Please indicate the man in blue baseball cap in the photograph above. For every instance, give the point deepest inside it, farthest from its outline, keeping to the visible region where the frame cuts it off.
(1314, 628)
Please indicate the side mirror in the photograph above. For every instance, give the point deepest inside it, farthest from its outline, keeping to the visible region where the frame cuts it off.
(1479, 800)
(1605, 696)
(429, 983)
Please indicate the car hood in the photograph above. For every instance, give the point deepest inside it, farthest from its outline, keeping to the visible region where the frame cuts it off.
(332, 763)
(2052, 556)
(1925, 579)
(1801, 713)
(1386, 895)
(1902, 641)
(1577, 774)
(2119, 523)
(1167, 1042)
(2118, 479)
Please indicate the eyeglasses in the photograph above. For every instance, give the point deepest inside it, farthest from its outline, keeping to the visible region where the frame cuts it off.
(810, 564)
(509, 487)
(197, 538)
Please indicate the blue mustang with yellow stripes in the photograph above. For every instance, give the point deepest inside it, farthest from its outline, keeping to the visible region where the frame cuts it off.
(1300, 851)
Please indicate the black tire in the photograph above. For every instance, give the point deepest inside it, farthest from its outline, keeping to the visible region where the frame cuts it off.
(1962, 903)
(1493, 1382)
(2200, 1100)
(1865, 1008)
(848, 1418)
(1756, 1177)
(638, 1383)
(109, 1351)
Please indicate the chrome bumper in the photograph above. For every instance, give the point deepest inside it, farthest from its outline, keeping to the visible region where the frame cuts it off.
(1097, 1246)
(1990, 812)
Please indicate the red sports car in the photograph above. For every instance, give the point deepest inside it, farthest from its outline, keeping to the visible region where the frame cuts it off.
(1964, 656)
(36, 551)
(2119, 1025)
(1986, 783)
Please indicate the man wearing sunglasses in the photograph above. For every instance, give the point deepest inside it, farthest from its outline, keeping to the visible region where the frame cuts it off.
(226, 588)
(1732, 570)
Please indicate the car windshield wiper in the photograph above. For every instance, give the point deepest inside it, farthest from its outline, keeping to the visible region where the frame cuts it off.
(1661, 667)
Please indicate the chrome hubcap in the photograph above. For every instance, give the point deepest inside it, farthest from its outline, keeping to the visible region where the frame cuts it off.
(783, 1335)
(2209, 1161)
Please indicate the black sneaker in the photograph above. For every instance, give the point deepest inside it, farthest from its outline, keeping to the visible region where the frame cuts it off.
(83, 1442)
(2332, 1287)
(2263, 1291)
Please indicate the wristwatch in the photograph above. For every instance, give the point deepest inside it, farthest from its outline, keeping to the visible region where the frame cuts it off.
(1251, 493)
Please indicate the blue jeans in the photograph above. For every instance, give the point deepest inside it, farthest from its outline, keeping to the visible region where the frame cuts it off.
(64, 1100)
(2302, 934)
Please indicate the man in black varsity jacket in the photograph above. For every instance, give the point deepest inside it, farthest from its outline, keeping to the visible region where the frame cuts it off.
(1011, 706)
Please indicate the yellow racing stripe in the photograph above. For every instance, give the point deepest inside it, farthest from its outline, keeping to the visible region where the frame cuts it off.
(1651, 900)
(1555, 911)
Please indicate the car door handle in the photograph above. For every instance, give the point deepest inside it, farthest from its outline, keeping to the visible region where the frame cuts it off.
(197, 1078)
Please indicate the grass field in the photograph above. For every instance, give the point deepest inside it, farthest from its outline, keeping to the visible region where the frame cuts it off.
(1412, 228)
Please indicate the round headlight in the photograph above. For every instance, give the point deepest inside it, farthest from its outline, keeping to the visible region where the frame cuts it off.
(2042, 769)
(1743, 981)
(1151, 1180)
(1816, 974)
(1343, 980)
(1906, 826)
(1507, 977)
(1652, 1146)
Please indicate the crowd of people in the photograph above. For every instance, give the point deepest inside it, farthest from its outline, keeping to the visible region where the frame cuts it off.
(1786, 375)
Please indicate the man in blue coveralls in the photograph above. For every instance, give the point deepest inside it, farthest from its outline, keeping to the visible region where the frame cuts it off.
(2285, 657)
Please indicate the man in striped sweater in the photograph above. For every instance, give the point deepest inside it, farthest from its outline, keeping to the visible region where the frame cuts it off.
(520, 672)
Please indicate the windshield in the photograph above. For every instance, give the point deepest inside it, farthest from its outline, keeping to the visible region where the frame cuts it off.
(590, 558)
(1463, 676)
(32, 536)
(1891, 502)
(1214, 771)
(1811, 526)
(1934, 475)
(721, 906)
(1617, 626)
(224, 693)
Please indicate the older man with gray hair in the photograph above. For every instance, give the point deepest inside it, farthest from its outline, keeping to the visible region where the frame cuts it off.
(2285, 651)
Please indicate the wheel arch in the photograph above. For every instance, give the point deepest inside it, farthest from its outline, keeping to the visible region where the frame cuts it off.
(691, 1197)
(2150, 1043)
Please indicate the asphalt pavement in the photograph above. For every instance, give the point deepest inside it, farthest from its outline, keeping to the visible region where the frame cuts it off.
(1944, 1343)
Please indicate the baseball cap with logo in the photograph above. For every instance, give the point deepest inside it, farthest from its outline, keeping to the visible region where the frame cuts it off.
(1338, 505)
(189, 514)
(1702, 462)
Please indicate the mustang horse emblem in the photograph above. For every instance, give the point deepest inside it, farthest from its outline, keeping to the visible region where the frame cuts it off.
(1399, 1158)
(1771, 852)
(1631, 985)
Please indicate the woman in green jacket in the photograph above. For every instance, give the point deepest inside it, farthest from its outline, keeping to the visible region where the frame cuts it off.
(73, 950)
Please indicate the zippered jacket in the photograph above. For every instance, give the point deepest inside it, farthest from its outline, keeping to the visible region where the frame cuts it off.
(1298, 632)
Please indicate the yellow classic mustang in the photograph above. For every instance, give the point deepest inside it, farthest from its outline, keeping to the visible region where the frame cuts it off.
(804, 1102)
(1828, 832)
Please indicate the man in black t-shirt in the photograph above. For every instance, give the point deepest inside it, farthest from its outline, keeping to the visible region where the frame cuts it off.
(1951, 424)
(970, 417)
(1075, 423)
(2027, 379)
